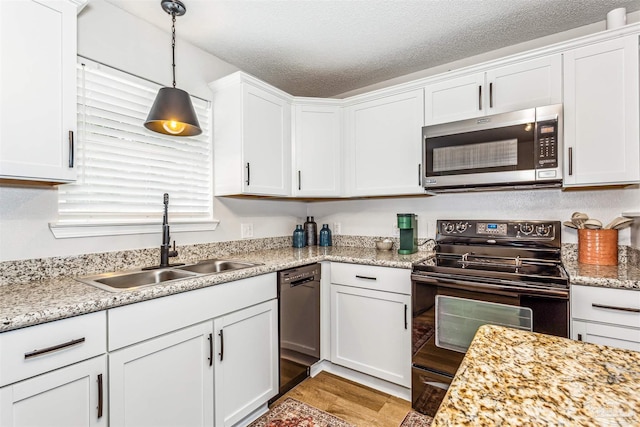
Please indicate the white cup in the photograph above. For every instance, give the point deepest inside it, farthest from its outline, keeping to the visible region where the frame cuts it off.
(617, 18)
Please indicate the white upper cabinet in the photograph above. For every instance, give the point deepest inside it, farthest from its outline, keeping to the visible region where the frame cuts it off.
(454, 99)
(251, 137)
(384, 145)
(317, 133)
(601, 113)
(532, 83)
(527, 84)
(38, 90)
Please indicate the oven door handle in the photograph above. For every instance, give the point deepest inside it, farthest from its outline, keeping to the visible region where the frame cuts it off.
(504, 287)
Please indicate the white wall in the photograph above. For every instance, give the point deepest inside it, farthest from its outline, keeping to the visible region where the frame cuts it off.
(109, 35)
(378, 217)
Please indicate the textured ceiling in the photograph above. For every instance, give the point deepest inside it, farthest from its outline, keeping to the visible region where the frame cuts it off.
(327, 47)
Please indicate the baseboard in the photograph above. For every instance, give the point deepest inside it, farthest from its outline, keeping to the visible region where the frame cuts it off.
(252, 416)
(364, 379)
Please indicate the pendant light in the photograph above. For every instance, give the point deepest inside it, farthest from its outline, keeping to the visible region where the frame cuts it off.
(172, 112)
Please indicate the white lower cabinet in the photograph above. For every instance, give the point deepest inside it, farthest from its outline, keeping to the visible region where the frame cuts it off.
(165, 356)
(71, 396)
(370, 332)
(166, 381)
(611, 335)
(246, 361)
(606, 316)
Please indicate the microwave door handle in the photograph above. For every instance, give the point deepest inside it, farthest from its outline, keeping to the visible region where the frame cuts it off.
(491, 95)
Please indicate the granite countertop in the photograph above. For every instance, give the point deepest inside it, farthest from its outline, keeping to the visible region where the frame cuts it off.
(516, 378)
(622, 276)
(31, 303)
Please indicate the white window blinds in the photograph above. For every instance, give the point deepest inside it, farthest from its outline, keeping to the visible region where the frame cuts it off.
(123, 168)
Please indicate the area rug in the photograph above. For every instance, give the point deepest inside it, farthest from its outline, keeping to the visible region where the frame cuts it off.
(293, 413)
(416, 419)
(422, 331)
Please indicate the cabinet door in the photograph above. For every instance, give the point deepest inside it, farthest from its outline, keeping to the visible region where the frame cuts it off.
(38, 90)
(527, 84)
(370, 332)
(246, 361)
(317, 150)
(601, 113)
(266, 133)
(611, 335)
(385, 145)
(72, 396)
(455, 99)
(166, 381)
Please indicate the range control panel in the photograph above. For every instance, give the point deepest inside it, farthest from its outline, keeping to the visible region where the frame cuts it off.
(527, 230)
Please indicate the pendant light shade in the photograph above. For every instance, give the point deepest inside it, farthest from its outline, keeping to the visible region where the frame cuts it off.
(172, 112)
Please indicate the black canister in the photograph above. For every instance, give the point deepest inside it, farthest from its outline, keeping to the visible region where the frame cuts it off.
(311, 232)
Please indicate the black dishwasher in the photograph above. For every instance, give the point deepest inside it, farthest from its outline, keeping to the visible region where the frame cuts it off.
(299, 323)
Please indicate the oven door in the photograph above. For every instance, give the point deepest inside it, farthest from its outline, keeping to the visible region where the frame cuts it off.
(434, 366)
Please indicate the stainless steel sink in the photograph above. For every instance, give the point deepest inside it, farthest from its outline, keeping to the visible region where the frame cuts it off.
(216, 266)
(132, 280)
(129, 280)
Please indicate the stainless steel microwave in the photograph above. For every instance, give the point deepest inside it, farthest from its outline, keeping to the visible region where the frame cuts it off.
(520, 149)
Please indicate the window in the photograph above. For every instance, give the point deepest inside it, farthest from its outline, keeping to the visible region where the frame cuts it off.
(124, 169)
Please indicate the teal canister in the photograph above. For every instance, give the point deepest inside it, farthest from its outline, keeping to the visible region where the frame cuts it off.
(325, 235)
(298, 237)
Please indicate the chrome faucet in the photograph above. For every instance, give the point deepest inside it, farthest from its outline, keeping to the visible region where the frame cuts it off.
(165, 249)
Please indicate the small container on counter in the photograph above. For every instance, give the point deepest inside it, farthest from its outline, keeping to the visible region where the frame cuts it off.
(325, 235)
(298, 237)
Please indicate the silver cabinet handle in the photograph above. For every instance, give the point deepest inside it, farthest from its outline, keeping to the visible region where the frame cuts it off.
(36, 353)
(611, 307)
(579, 337)
(71, 149)
(570, 161)
(480, 97)
(419, 175)
(365, 277)
(299, 180)
(491, 95)
(248, 173)
(100, 396)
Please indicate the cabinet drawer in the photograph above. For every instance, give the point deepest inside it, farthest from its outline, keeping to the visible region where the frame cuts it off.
(31, 351)
(614, 336)
(163, 315)
(607, 305)
(396, 280)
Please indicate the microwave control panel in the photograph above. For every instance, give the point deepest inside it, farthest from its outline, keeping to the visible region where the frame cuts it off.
(546, 145)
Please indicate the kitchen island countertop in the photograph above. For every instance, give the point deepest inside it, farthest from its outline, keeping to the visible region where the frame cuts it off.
(31, 303)
(516, 378)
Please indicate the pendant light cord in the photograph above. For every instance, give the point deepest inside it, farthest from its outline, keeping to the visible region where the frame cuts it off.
(173, 46)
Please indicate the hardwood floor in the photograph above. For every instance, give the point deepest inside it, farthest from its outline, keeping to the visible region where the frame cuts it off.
(354, 403)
